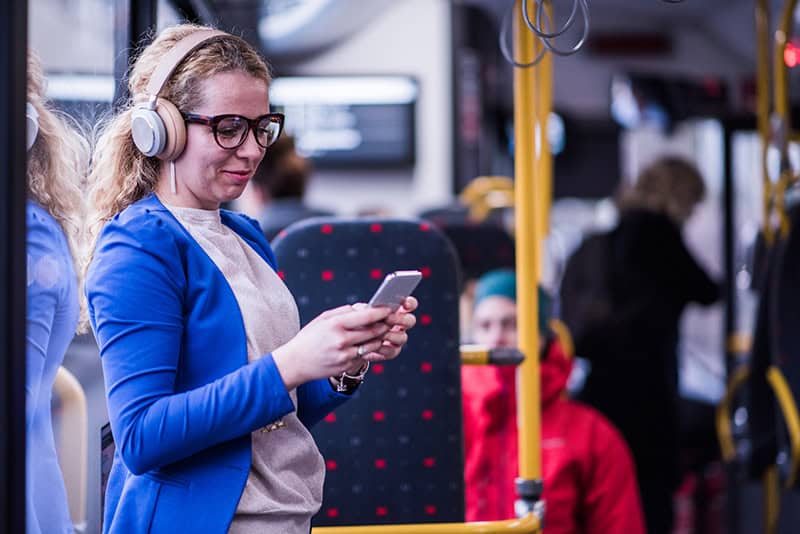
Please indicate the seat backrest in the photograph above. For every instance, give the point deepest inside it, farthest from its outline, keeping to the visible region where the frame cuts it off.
(394, 453)
(760, 401)
(480, 247)
(785, 293)
(441, 216)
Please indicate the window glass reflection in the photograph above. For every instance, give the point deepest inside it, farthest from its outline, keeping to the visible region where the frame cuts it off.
(65, 401)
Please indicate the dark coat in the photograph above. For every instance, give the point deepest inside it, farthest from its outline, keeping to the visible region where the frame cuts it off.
(623, 295)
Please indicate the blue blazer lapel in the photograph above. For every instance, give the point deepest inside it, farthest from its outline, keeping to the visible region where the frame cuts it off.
(248, 230)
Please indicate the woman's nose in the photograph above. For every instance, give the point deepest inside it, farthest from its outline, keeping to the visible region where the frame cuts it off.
(250, 148)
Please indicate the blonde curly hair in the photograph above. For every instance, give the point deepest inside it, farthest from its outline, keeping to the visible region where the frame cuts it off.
(120, 173)
(57, 164)
(670, 185)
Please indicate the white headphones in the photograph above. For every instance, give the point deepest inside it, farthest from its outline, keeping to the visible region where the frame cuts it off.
(32, 124)
(156, 124)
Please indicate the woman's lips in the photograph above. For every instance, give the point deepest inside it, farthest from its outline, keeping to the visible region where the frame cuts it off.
(238, 176)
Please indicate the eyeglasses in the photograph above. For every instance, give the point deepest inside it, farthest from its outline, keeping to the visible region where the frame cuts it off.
(230, 131)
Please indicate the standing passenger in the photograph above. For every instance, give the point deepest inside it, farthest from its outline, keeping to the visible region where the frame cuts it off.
(54, 209)
(639, 278)
(211, 383)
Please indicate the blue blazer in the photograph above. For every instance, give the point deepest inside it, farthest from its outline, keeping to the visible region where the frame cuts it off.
(52, 316)
(182, 397)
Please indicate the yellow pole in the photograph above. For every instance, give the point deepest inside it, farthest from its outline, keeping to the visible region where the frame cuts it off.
(781, 85)
(771, 499)
(763, 108)
(527, 241)
(783, 115)
(544, 172)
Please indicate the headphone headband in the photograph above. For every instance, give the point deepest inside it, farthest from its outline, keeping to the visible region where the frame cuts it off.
(172, 59)
(157, 125)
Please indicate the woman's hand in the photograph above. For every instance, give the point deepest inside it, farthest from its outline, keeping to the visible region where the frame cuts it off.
(339, 340)
(395, 338)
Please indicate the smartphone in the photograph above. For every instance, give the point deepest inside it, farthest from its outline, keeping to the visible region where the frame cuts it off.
(395, 288)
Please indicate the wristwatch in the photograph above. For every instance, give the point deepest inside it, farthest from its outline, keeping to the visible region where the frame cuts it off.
(348, 383)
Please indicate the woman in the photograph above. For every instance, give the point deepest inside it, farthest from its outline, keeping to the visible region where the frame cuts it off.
(589, 480)
(56, 155)
(211, 384)
(642, 275)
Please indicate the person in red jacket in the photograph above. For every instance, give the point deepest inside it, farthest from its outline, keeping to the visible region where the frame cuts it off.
(589, 479)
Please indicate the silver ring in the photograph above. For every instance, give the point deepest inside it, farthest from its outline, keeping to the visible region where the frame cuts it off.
(361, 350)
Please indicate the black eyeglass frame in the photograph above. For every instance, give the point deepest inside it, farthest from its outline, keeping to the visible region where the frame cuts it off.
(252, 125)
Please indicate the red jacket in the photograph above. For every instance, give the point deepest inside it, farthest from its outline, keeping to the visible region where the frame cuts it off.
(589, 480)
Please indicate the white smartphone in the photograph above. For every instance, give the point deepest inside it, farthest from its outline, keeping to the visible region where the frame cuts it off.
(395, 288)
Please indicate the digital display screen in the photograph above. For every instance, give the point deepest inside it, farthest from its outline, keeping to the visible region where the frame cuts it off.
(349, 121)
(337, 121)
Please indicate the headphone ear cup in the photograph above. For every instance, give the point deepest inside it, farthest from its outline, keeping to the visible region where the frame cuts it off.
(175, 130)
(32, 124)
(148, 131)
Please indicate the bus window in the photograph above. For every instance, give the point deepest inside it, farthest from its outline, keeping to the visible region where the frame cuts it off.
(74, 44)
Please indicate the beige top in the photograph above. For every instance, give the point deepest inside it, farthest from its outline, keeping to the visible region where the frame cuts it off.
(284, 487)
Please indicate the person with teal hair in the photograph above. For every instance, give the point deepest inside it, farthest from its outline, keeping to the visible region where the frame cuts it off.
(589, 478)
(499, 289)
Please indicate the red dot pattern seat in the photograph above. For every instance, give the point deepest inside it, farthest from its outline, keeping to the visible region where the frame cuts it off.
(393, 454)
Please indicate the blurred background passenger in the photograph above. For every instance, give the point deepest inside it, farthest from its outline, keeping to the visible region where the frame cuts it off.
(56, 158)
(278, 187)
(589, 480)
(622, 296)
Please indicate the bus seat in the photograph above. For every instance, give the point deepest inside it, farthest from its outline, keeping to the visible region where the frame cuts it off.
(394, 454)
(485, 200)
(480, 247)
(455, 213)
(772, 379)
(71, 423)
(785, 377)
(762, 416)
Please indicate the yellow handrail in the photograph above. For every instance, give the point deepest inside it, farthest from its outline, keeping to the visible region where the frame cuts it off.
(544, 160)
(762, 85)
(781, 71)
(739, 343)
(525, 525)
(773, 194)
(779, 190)
(771, 499)
(485, 193)
(475, 354)
(723, 415)
(788, 406)
(763, 107)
